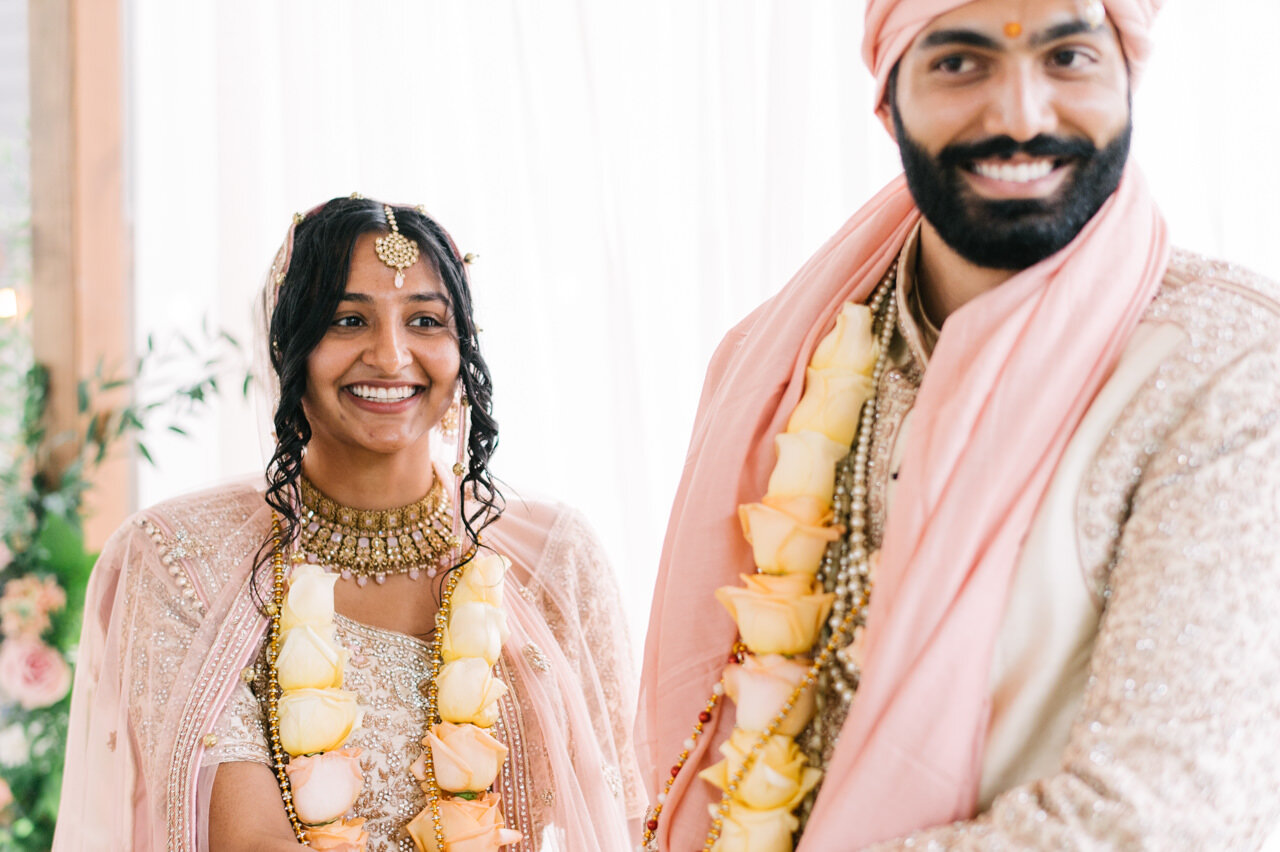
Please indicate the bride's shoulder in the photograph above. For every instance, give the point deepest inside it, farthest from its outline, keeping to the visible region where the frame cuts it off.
(222, 521)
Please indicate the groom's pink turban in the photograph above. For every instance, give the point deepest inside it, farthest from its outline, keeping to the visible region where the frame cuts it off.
(892, 25)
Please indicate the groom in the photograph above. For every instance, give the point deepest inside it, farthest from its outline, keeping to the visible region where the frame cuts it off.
(997, 552)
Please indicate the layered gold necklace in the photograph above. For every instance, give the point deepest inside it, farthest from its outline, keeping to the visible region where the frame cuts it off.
(363, 543)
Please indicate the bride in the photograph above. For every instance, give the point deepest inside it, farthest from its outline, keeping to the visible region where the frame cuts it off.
(375, 652)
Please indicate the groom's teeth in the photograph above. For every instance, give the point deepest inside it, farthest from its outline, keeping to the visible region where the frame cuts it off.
(1014, 172)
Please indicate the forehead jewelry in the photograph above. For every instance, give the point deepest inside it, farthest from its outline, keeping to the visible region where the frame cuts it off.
(1013, 29)
(1094, 13)
(395, 249)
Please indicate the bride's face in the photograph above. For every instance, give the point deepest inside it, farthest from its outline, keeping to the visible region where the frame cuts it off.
(384, 373)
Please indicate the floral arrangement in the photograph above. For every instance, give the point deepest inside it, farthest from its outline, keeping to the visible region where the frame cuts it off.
(44, 564)
(461, 760)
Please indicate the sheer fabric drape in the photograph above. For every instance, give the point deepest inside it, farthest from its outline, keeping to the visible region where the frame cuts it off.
(635, 178)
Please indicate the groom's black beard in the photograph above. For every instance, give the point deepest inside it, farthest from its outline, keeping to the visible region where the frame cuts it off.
(1018, 233)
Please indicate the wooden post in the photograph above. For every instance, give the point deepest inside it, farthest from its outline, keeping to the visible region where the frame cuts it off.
(81, 293)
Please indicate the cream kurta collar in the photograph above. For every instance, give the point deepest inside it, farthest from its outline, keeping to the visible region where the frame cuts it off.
(921, 334)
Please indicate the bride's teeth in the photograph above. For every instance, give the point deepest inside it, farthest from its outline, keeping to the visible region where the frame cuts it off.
(382, 394)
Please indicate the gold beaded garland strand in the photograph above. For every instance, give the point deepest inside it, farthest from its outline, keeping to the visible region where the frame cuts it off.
(430, 786)
(274, 610)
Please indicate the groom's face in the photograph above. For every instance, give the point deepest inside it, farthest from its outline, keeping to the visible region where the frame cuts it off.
(1012, 118)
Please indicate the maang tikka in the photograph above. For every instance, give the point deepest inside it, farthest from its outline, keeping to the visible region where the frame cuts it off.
(395, 249)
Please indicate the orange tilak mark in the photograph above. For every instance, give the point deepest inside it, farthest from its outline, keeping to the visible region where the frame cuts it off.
(1013, 29)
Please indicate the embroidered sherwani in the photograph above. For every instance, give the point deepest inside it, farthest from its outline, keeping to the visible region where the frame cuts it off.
(173, 631)
(1135, 688)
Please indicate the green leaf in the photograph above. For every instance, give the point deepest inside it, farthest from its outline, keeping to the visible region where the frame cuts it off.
(145, 453)
(175, 428)
(60, 541)
(248, 382)
(82, 396)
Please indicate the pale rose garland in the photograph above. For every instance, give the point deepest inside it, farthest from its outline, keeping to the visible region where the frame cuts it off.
(317, 716)
(781, 609)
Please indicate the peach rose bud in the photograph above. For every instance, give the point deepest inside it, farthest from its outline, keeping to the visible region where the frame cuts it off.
(310, 657)
(805, 474)
(347, 835)
(470, 826)
(851, 346)
(780, 543)
(325, 786)
(778, 778)
(466, 758)
(777, 614)
(468, 692)
(761, 684)
(475, 630)
(310, 598)
(747, 830)
(481, 580)
(315, 720)
(831, 405)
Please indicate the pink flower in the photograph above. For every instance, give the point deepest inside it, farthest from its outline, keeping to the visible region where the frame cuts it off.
(6, 799)
(27, 604)
(325, 785)
(32, 673)
(344, 836)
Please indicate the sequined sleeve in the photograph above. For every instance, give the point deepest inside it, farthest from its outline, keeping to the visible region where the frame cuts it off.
(1178, 742)
(239, 731)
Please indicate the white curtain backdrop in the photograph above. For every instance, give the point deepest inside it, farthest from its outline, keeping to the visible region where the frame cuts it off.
(634, 176)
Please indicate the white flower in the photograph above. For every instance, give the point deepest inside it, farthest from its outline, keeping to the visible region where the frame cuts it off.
(14, 748)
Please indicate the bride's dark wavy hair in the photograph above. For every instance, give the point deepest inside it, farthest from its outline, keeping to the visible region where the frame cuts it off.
(304, 307)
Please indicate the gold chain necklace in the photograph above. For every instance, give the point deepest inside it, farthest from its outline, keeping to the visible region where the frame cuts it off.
(364, 543)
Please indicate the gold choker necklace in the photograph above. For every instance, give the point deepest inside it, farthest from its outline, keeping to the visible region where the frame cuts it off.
(363, 543)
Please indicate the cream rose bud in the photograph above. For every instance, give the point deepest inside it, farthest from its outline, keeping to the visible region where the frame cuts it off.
(466, 758)
(761, 684)
(347, 835)
(780, 543)
(315, 720)
(325, 786)
(470, 826)
(777, 614)
(310, 657)
(851, 346)
(474, 630)
(468, 692)
(778, 778)
(831, 405)
(747, 830)
(805, 474)
(310, 598)
(481, 580)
